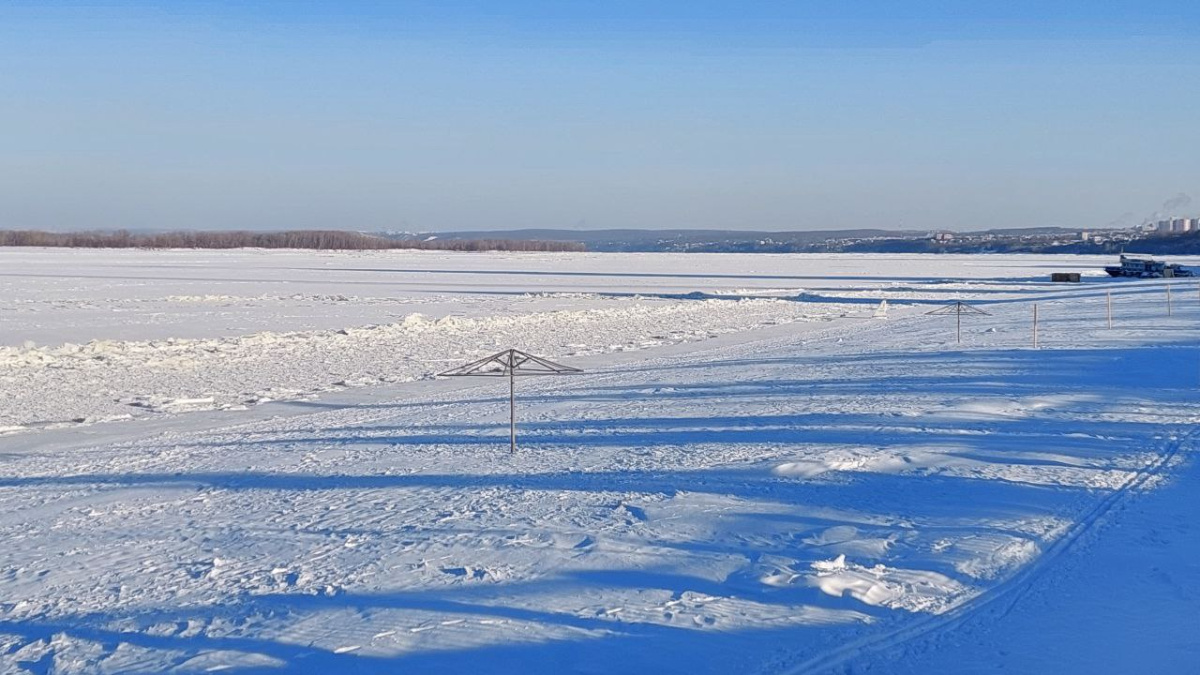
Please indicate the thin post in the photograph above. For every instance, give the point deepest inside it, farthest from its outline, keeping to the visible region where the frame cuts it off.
(512, 409)
(1168, 298)
(1110, 309)
(958, 317)
(1035, 326)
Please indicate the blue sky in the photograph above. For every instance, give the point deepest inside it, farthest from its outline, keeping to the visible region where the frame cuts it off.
(490, 115)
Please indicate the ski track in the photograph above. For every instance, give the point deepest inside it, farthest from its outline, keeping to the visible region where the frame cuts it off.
(767, 497)
(1005, 595)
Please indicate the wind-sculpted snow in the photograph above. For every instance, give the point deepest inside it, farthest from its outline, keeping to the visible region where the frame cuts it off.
(768, 492)
(106, 380)
(879, 585)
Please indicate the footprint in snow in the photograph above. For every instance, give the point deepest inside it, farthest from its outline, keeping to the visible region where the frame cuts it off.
(465, 572)
(636, 513)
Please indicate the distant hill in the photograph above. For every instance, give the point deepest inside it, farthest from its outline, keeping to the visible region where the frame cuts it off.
(680, 240)
(1186, 243)
(741, 241)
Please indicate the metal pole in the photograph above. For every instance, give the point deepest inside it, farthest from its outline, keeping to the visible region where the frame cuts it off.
(1110, 309)
(512, 408)
(1035, 326)
(1168, 298)
(958, 322)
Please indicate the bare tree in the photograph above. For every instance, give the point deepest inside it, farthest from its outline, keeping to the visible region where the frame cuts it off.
(300, 239)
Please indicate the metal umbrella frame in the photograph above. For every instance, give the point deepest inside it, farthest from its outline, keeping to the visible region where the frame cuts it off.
(957, 308)
(510, 363)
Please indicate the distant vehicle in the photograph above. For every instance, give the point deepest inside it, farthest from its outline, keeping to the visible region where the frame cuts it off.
(1146, 267)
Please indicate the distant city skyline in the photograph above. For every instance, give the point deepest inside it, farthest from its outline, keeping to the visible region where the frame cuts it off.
(472, 115)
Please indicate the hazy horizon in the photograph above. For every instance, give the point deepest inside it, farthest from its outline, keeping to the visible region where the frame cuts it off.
(435, 116)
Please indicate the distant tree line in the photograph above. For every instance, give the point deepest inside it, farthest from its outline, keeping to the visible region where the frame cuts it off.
(303, 239)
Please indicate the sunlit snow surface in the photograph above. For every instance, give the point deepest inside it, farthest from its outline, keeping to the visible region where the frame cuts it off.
(239, 461)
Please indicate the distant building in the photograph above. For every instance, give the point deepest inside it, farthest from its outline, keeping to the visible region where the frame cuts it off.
(1176, 225)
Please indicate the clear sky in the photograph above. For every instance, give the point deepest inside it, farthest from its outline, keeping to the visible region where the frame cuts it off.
(487, 114)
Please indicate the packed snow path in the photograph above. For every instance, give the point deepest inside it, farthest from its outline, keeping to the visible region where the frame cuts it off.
(773, 502)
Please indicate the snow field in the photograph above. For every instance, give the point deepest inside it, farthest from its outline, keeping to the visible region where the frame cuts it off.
(75, 355)
(110, 380)
(796, 498)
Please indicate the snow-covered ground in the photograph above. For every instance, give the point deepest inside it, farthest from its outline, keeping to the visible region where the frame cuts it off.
(90, 336)
(753, 475)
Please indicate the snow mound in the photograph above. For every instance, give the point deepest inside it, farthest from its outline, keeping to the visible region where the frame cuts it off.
(847, 539)
(881, 586)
